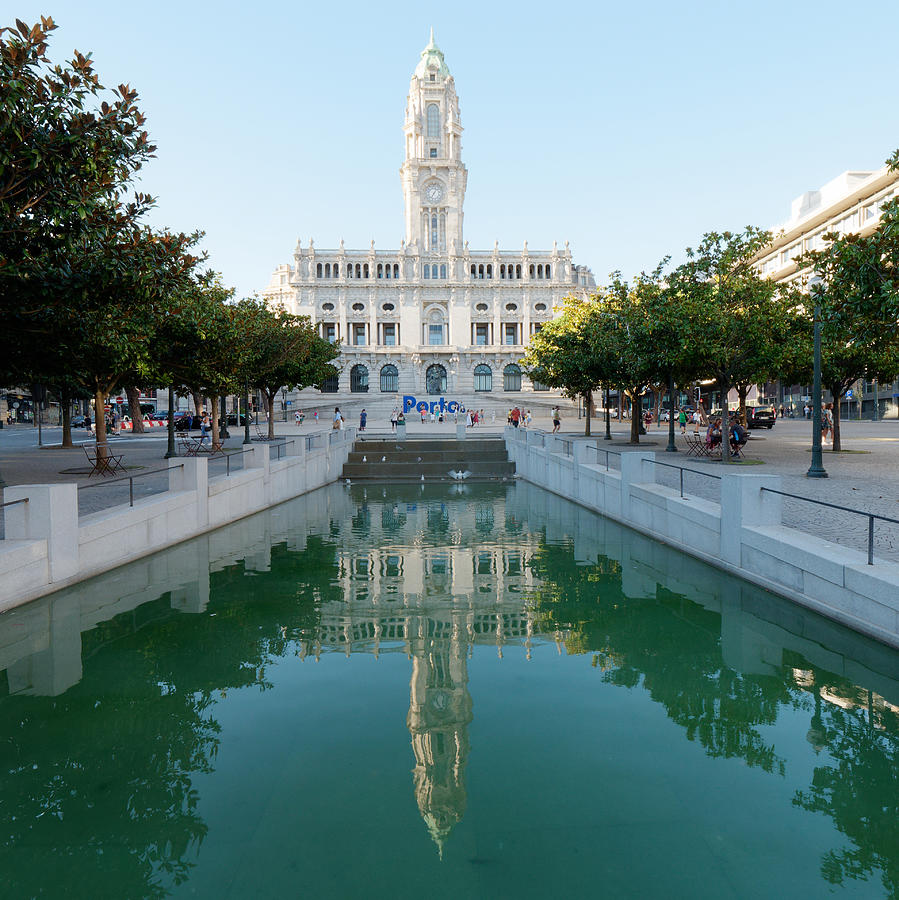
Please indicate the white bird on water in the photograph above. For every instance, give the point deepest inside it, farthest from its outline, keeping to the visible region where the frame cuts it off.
(459, 476)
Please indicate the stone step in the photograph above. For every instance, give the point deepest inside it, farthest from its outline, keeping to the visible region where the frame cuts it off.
(390, 460)
(388, 471)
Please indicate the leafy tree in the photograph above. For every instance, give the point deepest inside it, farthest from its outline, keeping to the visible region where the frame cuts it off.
(69, 149)
(858, 291)
(576, 352)
(284, 351)
(738, 322)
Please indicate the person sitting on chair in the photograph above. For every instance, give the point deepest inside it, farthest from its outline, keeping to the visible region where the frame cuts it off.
(738, 438)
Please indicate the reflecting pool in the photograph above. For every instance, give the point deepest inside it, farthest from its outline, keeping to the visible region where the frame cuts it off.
(464, 691)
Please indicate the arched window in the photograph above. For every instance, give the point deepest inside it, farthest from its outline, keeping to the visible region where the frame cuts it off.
(318, 270)
(435, 379)
(359, 271)
(483, 378)
(433, 232)
(349, 271)
(474, 270)
(489, 271)
(327, 270)
(359, 380)
(330, 385)
(502, 271)
(547, 272)
(427, 271)
(389, 379)
(433, 120)
(531, 270)
(518, 271)
(539, 386)
(387, 270)
(396, 270)
(336, 270)
(365, 269)
(443, 271)
(540, 271)
(512, 378)
(380, 271)
(480, 271)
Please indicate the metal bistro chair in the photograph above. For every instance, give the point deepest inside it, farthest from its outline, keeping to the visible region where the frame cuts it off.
(107, 463)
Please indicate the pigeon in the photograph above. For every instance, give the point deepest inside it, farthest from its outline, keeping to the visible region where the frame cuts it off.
(418, 459)
(347, 482)
(364, 459)
(383, 459)
(422, 478)
(459, 476)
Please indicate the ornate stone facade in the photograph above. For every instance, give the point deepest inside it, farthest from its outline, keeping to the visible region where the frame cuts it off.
(432, 317)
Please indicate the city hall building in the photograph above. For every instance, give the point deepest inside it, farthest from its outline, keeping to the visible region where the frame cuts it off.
(432, 318)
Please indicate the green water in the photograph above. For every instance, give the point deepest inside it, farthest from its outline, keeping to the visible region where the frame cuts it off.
(461, 692)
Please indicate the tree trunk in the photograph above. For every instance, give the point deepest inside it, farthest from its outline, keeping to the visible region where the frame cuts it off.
(65, 404)
(742, 391)
(588, 402)
(198, 405)
(636, 417)
(216, 440)
(836, 391)
(100, 423)
(137, 418)
(268, 400)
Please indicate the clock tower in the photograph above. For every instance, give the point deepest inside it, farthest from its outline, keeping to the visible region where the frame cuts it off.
(433, 175)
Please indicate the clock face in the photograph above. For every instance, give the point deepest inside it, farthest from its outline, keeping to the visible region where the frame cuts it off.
(434, 193)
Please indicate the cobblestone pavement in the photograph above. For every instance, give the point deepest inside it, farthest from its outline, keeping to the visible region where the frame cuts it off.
(865, 476)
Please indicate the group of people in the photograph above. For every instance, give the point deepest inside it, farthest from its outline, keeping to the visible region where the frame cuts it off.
(519, 417)
(737, 438)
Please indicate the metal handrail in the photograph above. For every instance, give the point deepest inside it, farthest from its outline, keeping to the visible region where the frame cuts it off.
(13, 502)
(234, 453)
(128, 478)
(566, 445)
(859, 512)
(283, 444)
(605, 450)
(681, 469)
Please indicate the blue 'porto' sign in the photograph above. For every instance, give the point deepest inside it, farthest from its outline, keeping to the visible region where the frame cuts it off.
(410, 403)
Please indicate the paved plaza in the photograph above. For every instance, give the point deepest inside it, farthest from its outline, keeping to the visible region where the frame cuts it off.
(865, 476)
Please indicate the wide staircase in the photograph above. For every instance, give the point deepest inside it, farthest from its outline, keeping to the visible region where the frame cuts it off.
(429, 459)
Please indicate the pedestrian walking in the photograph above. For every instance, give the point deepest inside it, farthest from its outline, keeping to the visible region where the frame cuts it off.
(296, 417)
(204, 426)
(363, 419)
(557, 419)
(394, 416)
(337, 424)
(682, 419)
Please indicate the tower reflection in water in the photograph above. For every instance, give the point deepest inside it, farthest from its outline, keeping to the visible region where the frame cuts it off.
(460, 584)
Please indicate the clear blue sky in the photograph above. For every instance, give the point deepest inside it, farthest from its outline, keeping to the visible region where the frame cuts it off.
(628, 129)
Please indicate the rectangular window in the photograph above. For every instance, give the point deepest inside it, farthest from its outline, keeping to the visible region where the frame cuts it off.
(330, 332)
(389, 335)
(359, 335)
(435, 334)
(510, 333)
(480, 335)
(433, 153)
(427, 271)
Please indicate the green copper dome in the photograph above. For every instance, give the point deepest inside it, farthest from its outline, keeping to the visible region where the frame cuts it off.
(431, 58)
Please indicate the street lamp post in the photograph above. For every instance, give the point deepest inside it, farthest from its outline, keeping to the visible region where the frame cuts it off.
(876, 392)
(608, 436)
(170, 451)
(816, 469)
(284, 401)
(246, 418)
(223, 420)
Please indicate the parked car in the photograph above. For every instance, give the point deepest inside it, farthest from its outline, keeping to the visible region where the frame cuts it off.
(78, 421)
(161, 416)
(187, 421)
(760, 416)
(232, 419)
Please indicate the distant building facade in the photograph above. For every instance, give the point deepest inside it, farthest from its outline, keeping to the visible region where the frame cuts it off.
(432, 317)
(849, 204)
